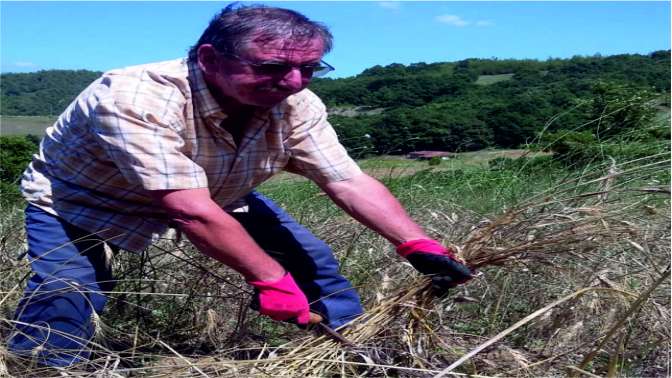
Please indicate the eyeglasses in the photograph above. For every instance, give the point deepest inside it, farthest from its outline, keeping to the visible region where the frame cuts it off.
(277, 68)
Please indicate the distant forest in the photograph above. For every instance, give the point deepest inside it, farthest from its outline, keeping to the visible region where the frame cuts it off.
(456, 106)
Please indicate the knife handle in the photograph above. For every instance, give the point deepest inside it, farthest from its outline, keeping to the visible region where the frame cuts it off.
(315, 318)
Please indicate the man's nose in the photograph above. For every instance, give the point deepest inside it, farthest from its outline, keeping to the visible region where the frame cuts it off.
(293, 80)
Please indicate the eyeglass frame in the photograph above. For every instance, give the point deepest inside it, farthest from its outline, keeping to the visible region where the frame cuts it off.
(325, 67)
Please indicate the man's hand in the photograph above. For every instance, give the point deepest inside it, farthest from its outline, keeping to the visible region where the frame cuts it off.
(431, 258)
(282, 300)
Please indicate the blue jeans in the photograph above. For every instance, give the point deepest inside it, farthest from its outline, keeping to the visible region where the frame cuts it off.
(54, 317)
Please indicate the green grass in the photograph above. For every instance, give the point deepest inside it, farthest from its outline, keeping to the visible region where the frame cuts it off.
(394, 166)
(465, 179)
(25, 125)
(492, 79)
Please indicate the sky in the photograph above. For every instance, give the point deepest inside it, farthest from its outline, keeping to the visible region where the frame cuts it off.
(104, 35)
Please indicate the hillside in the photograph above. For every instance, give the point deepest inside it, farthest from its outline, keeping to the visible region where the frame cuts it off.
(41, 93)
(457, 106)
(418, 84)
(480, 103)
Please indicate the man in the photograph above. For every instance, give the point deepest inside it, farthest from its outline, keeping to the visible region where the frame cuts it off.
(183, 144)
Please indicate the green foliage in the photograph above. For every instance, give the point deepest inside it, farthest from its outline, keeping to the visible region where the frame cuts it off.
(618, 109)
(393, 86)
(15, 154)
(623, 123)
(580, 148)
(442, 107)
(417, 84)
(563, 142)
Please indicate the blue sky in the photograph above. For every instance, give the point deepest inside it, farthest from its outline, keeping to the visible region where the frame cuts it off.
(105, 35)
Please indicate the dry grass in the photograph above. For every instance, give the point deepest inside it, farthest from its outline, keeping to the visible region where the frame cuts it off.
(574, 280)
(576, 217)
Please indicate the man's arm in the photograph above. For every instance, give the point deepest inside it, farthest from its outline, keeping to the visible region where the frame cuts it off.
(371, 203)
(216, 233)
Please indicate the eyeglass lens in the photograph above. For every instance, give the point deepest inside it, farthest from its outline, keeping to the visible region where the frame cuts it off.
(278, 69)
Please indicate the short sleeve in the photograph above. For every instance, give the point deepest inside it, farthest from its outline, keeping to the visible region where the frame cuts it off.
(315, 151)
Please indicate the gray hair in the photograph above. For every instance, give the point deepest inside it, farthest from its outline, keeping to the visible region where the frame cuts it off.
(237, 25)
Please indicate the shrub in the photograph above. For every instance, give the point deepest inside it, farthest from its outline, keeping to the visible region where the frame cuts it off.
(434, 160)
(15, 154)
(574, 148)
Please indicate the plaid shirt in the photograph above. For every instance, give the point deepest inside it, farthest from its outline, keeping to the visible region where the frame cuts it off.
(157, 126)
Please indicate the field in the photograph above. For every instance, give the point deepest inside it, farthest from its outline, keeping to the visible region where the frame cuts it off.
(394, 166)
(593, 249)
(492, 79)
(25, 125)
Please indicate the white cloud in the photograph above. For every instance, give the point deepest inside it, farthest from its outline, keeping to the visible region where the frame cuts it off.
(452, 19)
(25, 64)
(394, 5)
(484, 23)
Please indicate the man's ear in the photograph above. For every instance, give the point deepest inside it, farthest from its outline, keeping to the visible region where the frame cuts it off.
(208, 61)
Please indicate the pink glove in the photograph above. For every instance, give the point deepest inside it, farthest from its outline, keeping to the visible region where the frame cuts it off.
(282, 299)
(431, 258)
(429, 246)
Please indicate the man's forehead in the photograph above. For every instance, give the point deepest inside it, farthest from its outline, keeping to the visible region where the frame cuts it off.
(292, 46)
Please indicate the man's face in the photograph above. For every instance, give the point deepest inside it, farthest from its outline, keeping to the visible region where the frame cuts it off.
(242, 81)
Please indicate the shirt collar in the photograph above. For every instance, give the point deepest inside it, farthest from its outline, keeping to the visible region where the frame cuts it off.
(205, 102)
